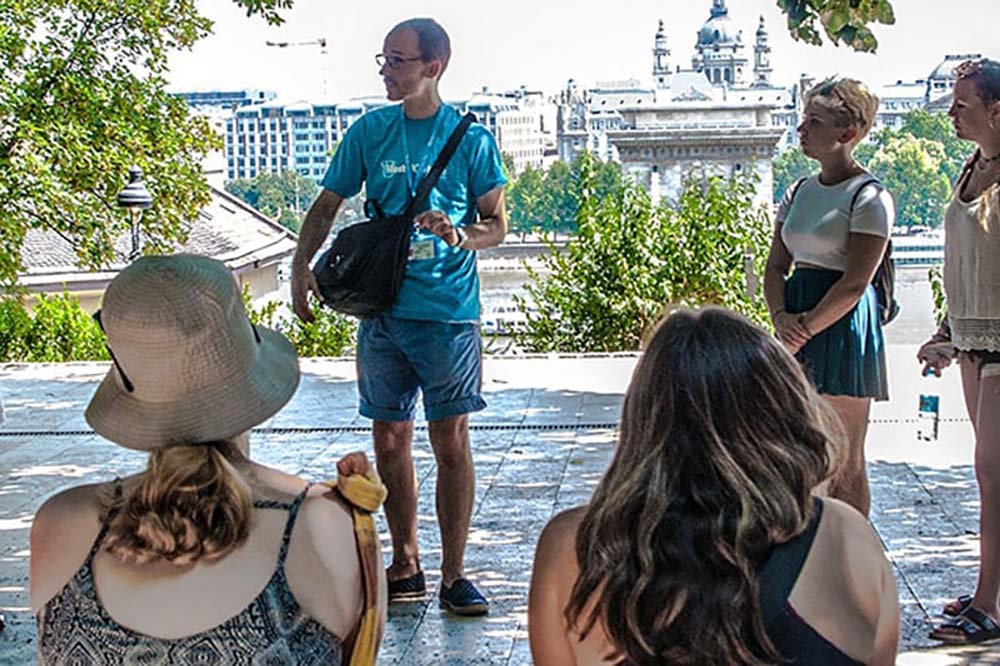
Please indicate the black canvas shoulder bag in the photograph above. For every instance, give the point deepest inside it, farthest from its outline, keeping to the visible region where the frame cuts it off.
(363, 270)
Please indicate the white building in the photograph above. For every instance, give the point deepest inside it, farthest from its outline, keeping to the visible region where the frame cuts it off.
(275, 136)
(517, 121)
(721, 73)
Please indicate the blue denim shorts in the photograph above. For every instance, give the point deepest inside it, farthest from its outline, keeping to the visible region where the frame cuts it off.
(400, 358)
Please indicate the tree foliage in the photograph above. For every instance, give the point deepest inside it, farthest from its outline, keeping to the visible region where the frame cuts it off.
(844, 21)
(283, 196)
(912, 170)
(547, 201)
(631, 258)
(82, 97)
(788, 167)
(56, 330)
(329, 334)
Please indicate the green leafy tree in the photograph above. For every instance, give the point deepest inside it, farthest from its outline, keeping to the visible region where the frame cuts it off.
(508, 165)
(923, 124)
(525, 197)
(559, 201)
(631, 258)
(912, 170)
(285, 196)
(844, 21)
(82, 97)
(788, 167)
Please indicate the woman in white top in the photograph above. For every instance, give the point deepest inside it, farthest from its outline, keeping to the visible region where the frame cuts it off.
(972, 287)
(832, 228)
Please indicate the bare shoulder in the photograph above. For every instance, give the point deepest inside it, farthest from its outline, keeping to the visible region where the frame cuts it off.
(845, 524)
(326, 514)
(328, 528)
(557, 543)
(848, 545)
(70, 513)
(62, 533)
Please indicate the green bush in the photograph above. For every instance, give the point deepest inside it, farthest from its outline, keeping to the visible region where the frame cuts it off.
(331, 334)
(631, 259)
(57, 330)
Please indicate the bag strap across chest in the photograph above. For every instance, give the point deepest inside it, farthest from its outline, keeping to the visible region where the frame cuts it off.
(430, 180)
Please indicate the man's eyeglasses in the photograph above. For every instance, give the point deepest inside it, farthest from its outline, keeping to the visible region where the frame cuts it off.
(393, 62)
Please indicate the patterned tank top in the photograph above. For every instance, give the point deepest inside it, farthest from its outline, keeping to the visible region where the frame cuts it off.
(74, 628)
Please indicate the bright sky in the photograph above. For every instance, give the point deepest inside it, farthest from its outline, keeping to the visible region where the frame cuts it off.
(542, 43)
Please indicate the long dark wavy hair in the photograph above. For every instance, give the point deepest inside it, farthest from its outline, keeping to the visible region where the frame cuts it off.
(722, 441)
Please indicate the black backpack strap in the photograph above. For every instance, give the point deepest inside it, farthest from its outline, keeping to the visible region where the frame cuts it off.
(857, 192)
(795, 189)
(431, 179)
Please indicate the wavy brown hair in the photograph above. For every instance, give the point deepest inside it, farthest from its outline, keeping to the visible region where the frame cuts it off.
(191, 504)
(722, 440)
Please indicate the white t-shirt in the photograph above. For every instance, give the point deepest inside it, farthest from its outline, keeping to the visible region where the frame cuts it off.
(816, 224)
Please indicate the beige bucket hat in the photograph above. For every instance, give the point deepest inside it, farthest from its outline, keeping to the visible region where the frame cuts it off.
(189, 367)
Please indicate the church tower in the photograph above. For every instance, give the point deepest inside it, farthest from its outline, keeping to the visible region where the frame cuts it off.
(719, 50)
(661, 59)
(761, 58)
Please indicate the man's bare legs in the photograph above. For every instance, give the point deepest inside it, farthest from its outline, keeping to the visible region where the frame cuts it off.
(456, 481)
(456, 491)
(850, 483)
(394, 459)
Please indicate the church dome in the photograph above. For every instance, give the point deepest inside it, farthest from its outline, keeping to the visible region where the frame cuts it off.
(946, 70)
(718, 29)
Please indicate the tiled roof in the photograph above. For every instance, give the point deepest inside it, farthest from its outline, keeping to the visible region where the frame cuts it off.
(227, 229)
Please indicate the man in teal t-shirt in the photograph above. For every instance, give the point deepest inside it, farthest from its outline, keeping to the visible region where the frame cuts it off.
(428, 342)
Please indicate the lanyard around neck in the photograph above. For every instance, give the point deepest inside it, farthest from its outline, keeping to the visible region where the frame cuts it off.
(426, 157)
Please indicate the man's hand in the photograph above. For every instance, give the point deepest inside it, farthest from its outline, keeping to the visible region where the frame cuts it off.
(440, 225)
(303, 282)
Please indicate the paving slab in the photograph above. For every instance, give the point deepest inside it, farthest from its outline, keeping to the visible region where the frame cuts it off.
(540, 447)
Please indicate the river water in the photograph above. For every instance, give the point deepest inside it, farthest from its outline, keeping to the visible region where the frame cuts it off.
(912, 326)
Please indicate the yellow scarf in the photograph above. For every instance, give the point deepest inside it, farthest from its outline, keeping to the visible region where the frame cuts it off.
(365, 495)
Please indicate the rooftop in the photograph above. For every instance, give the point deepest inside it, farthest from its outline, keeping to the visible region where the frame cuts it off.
(540, 447)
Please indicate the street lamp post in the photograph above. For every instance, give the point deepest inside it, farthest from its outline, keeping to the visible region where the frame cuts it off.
(135, 198)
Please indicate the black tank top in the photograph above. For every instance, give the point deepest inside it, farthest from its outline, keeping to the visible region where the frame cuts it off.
(795, 640)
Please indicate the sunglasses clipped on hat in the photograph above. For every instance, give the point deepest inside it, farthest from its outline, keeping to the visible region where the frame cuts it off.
(188, 366)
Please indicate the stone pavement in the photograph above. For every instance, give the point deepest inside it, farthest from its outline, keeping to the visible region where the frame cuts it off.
(540, 447)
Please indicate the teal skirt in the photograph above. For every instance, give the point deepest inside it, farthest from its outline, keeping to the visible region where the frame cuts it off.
(848, 358)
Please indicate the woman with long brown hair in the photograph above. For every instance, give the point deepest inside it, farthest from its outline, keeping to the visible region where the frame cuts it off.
(206, 556)
(703, 543)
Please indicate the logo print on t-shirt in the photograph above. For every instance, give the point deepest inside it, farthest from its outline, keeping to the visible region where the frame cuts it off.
(391, 168)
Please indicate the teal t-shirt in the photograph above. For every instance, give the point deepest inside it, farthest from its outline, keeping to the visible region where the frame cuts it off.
(441, 283)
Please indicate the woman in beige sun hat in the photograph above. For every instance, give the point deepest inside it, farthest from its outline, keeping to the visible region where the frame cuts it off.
(206, 556)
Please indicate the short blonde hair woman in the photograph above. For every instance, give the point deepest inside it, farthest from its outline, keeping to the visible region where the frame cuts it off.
(206, 556)
(831, 232)
(702, 544)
